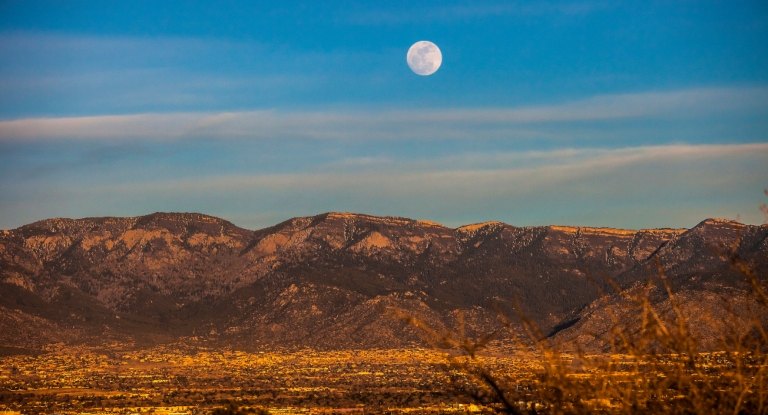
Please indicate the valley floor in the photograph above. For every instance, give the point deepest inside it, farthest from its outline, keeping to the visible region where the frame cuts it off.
(163, 380)
(179, 380)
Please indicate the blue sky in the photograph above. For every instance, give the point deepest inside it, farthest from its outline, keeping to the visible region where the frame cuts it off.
(637, 114)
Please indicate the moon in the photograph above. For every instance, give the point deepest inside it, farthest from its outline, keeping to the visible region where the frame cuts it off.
(424, 58)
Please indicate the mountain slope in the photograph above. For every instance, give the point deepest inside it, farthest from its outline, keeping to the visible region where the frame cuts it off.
(707, 271)
(332, 280)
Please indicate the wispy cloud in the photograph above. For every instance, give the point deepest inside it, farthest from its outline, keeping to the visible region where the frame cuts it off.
(392, 124)
(25, 44)
(571, 162)
(487, 172)
(55, 73)
(453, 12)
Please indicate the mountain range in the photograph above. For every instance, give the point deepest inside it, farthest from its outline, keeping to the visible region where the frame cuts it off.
(344, 280)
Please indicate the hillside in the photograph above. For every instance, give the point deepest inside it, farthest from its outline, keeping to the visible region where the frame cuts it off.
(332, 280)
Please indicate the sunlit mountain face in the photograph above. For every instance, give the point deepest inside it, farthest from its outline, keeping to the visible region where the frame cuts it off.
(334, 281)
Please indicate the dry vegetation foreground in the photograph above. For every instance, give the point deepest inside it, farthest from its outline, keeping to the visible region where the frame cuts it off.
(198, 381)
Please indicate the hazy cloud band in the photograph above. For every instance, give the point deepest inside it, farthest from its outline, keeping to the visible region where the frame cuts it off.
(391, 124)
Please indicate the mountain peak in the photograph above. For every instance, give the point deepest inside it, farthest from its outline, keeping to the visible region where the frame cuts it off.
(481, 225)
(182, 216)
(593, 230)
(386, 220)
(67, 225)
(720, 221)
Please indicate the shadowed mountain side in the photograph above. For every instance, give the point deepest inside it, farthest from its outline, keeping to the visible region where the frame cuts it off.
(331, 280)
(710, 317)
(702, 270)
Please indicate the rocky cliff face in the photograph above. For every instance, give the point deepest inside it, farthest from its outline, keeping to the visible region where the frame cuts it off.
(331, 280)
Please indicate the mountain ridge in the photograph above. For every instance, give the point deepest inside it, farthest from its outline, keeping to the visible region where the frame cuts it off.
(344, 214)
(322, 280)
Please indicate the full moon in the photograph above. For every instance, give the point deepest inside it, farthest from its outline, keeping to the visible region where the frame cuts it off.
(424, 58)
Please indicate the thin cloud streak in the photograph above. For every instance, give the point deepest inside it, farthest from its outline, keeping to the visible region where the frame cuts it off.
(556, 166)
(390, 124)
(165, 47)
(450, 13)
(557, 158)
(70, 74)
